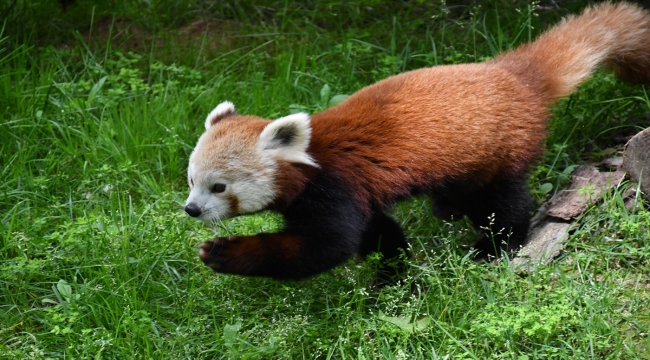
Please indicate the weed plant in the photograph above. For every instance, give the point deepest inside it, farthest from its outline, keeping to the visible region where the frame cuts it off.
(102, 103)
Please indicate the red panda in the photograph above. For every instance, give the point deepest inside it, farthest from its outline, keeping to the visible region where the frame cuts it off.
(465, 135)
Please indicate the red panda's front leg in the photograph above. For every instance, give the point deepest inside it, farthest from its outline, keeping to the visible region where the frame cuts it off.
(257, 255)
(324, 227)
(244, 255)
(279, 256)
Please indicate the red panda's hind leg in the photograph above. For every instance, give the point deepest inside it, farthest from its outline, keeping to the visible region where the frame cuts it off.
(385, 236)
(501, 211)
(442, 208)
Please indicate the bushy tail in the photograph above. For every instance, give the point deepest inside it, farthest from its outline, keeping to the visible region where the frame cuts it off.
(614, 35)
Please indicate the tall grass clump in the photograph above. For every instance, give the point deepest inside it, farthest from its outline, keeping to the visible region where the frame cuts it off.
(101, 104)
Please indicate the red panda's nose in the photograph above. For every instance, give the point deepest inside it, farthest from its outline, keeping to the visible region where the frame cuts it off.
(192, 210)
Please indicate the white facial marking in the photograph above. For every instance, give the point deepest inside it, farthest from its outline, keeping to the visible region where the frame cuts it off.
(190, 172)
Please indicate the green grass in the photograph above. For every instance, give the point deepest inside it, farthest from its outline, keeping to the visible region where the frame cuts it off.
(97, 259)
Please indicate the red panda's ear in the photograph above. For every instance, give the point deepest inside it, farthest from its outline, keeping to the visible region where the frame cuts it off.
(222, 111)
(287, 138)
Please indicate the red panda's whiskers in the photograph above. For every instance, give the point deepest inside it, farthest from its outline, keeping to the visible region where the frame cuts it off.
(215, 219)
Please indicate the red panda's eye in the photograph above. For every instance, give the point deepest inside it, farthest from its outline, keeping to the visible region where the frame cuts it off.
(218, 188)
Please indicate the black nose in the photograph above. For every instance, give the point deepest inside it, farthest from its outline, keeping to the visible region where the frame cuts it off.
(192, 210)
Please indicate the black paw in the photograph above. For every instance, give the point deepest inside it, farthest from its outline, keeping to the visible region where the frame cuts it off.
(232, 255)
(489, 250)
(216, 254)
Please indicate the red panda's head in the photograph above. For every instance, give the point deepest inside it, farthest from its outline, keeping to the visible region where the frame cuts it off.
(235, 165)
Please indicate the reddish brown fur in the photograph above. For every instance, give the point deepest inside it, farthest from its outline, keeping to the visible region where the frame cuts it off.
(475, 123)
(249, 129)
(234, 203)
(242, 143)
(290, 182)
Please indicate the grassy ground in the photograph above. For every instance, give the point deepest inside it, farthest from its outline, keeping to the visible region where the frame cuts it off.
(102, 104)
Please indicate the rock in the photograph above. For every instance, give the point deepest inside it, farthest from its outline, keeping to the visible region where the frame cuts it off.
(550, 226)
(636, 160)
(613, 164)
(587, 188)
(544, 245)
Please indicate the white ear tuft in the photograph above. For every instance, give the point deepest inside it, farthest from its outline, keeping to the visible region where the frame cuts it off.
(288, 138)
(222, 111)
